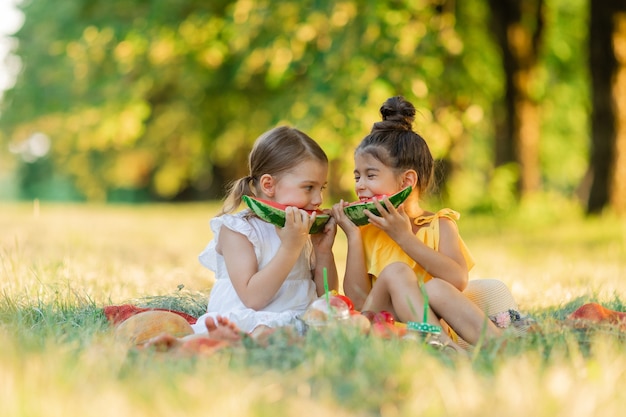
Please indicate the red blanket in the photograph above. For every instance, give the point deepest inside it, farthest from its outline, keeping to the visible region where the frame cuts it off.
(585, 315)
(117, 314)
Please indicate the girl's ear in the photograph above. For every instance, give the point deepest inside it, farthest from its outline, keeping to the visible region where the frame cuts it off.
(266, 185)
(409, 178)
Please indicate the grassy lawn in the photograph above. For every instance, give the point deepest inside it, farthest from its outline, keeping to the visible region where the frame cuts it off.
(60, 264)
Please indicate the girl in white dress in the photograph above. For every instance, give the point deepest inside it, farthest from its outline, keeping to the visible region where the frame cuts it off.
(266, 276)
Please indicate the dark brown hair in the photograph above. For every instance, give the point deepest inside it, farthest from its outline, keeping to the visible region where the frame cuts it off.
(394, 143)
(274, 152)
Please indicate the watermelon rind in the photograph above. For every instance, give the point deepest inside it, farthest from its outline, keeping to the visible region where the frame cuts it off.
(276, 216)
(355, 211)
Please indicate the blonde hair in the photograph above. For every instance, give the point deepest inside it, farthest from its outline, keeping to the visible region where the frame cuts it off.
(274, 152)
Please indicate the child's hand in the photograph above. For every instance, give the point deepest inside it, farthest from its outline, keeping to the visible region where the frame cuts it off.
(323, 242)
(296, 230)
(342, 220)
(394, 221)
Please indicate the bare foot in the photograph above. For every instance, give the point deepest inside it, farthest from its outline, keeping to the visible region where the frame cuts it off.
(162, 343)
(261, 334)
(200, 344)
(224, 329)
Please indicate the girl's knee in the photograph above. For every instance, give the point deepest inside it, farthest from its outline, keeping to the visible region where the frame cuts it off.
(437, 288)
(397, 268)
(397, 272)
(435, 284)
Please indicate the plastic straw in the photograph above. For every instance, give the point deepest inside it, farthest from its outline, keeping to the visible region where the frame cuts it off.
(326, 292)
(425, 296)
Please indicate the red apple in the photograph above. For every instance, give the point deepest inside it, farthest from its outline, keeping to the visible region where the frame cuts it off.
(346, 300)
(384, 317)
(369, 314)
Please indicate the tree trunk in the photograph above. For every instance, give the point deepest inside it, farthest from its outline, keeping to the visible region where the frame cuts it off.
(518, 27)
(618, 180)
(607, 63)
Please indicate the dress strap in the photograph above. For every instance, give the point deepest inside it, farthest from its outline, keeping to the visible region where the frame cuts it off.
(429, 233)
(445, 212)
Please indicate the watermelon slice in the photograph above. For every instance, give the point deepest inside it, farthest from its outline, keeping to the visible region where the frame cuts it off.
(274, 213)
(354, 210)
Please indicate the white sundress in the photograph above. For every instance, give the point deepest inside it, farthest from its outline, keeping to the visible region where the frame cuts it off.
(291, 300)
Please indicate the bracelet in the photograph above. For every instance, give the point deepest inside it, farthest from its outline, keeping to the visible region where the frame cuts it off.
(423, 327)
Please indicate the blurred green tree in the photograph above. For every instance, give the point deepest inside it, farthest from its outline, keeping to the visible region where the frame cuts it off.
(167, 96)
(162, 99)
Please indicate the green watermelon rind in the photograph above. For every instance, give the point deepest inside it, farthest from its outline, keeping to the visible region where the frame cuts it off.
(276, 216)
(355, 211)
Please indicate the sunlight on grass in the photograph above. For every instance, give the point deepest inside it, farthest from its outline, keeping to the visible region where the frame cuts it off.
(553, 263)
(113, 253)
(62, 264)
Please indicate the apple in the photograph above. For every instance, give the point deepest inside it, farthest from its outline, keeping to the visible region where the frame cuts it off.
(384, 317)
(369, 315)
(361, 322)
(346, 300)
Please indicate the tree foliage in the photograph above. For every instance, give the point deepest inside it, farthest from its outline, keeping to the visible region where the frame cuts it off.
(163, 99)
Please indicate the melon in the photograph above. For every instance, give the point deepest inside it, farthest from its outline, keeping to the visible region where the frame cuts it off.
(274, 213)
(138, 329)
(354, 210)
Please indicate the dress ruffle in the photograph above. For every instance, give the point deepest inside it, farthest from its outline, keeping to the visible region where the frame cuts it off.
(237, 223)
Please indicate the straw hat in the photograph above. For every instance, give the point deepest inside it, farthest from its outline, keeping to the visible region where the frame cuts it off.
(494, 298)
(491, 295)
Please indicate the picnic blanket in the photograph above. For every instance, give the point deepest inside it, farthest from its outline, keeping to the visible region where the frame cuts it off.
(586, 315)
(118, 313)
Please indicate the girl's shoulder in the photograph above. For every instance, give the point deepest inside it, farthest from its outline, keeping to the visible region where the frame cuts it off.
(446, 213)
(433, 232)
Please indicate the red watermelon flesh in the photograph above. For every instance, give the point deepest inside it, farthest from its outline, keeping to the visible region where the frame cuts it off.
(274, 213)
(284, 206)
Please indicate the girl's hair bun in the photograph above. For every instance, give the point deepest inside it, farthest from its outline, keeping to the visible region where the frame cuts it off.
(398, 114)
(394, 142)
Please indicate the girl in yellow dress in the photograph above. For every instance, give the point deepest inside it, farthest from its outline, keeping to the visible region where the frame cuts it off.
(389, 257)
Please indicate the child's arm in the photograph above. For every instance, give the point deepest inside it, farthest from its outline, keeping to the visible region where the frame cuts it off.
(324, 258)
(448, 263)
(255, 287)
(356, 282)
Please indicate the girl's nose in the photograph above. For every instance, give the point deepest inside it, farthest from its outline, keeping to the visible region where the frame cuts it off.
(317, 200)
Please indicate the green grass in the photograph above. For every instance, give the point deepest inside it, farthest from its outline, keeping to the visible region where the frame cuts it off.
(60, 265)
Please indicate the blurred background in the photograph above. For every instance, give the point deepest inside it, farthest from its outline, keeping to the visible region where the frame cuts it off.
(161, 100)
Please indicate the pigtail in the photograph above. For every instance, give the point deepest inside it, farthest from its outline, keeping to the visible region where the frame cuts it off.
(239, 188)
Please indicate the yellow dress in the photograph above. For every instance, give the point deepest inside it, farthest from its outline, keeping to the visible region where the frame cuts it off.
(381, 250)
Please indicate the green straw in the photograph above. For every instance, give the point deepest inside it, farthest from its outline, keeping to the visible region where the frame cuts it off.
(326, 292)
(425, 296)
